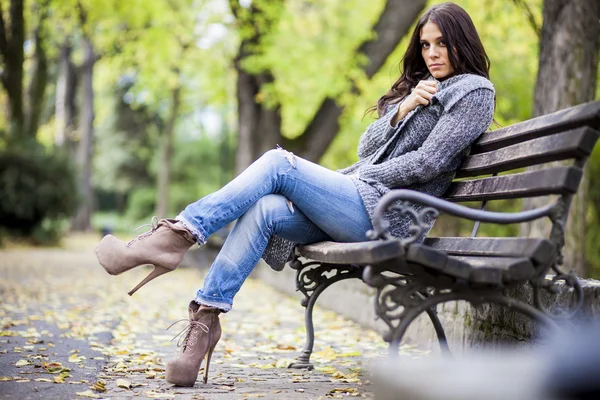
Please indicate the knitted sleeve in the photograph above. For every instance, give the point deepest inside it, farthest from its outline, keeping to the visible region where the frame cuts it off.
(457, 128)
(377, 133)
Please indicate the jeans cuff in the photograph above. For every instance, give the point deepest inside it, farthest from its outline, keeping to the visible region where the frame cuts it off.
(222, 304)
(200, 238)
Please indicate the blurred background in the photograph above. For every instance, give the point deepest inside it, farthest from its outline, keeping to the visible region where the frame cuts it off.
(115, 111)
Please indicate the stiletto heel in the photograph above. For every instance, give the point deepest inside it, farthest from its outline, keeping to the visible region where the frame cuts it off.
(156, 272)
(208, 356)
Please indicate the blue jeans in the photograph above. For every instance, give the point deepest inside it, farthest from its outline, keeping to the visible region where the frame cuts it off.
(279, 194)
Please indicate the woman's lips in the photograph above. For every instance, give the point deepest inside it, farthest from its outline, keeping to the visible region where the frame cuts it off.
(435, 66)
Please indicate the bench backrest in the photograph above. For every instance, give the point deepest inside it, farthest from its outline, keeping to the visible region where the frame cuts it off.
(568, 134)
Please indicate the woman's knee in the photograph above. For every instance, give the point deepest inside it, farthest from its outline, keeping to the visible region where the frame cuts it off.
(279, 155)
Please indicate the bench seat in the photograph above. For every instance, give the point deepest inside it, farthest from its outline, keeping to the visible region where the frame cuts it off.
(488, 261)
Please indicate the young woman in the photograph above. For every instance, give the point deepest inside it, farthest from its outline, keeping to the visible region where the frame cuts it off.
(441, 103)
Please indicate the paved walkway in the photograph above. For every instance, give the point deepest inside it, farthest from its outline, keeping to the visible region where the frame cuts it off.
(69, 330)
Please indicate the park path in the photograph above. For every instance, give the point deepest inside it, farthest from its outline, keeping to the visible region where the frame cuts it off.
(69, 330)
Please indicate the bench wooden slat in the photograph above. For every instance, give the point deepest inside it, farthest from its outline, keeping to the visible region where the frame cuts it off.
(576, 143)
(539, 250)
(480, 270)
(556, 180)
(583, 115)
(360, 253)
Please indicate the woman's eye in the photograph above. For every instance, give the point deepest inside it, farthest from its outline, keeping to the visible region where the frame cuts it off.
(443, 43)
(424, 45)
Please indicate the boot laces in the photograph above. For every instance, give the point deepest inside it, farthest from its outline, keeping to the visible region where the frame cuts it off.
(153, 227)
(187, 336)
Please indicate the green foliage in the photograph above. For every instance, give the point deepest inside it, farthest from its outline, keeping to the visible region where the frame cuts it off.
(38, 188)
(141, 204)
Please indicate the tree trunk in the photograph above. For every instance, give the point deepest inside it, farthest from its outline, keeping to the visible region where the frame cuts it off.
(37, 87)
(12, 37)
(566, 77)
(162, 194)
(82, 219)
(259, 128)
(65, 111)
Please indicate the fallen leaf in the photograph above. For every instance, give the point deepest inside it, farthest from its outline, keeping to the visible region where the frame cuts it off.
(74, 358)
(344, 390)
(88, 393)
(42, 380)
(99, 386)
(156, 395)
(59, 379)
(22, 363)
(284, 363)
(122, 383)
(285, 347)
(150, 375)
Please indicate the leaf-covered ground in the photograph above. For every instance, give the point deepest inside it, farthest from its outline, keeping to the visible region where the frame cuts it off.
(69, 330)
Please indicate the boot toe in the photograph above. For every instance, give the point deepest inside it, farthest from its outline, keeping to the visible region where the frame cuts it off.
(179, 374)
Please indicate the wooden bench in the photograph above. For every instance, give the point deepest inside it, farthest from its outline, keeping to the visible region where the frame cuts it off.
(412, 277)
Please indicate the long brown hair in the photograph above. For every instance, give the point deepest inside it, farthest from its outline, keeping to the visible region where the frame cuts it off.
(465, 51)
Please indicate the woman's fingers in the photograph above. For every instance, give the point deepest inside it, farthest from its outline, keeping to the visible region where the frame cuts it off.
(428, 86)
(421, 100)
(423, 94)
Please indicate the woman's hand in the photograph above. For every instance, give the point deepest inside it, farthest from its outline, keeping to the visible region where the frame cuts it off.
(420, 95)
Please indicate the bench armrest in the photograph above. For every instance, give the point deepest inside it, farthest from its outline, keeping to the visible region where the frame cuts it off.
(396, 200)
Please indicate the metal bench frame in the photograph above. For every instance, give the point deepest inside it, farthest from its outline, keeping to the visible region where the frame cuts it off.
(405, 290)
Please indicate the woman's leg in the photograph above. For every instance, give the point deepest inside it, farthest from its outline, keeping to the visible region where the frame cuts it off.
(327, 198)
(245, 244)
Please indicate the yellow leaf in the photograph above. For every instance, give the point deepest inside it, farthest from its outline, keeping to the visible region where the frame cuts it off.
(22, 363)
(350, 354)
(5, 378)
(344, 390)
(326, 370)
(88, 393)
(99, 386)
(156, 395)
(42, 380)
(150, 375)
(122, 383)
(59, 379)
(75, 359)
(284, 363)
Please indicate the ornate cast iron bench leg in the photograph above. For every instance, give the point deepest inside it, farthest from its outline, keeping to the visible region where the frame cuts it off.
(411, 313)
(312, 278)
(439, 331)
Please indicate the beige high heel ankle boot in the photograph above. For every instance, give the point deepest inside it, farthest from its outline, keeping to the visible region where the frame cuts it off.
(201, 337)
(162, 246)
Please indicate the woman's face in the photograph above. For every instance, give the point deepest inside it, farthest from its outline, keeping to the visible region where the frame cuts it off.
(434, 51)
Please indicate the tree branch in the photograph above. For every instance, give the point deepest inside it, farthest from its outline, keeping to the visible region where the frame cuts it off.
(394, 22)
(235, 8)
(3, 41)
(532, 22)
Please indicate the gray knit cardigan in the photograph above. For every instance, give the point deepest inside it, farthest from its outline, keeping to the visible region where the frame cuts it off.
(421, 152)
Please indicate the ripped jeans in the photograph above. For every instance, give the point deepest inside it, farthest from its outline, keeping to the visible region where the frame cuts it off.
(279, 194)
